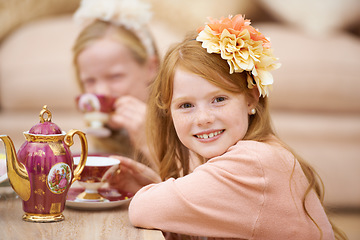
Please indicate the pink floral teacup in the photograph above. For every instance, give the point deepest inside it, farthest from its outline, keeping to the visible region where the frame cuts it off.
(96, 109)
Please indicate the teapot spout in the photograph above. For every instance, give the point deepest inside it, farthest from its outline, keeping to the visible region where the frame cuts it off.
(17, 174)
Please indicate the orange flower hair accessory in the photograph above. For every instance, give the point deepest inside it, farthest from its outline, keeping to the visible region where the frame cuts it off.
(244, 48)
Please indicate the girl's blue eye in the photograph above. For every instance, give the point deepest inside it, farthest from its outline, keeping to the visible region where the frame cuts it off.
(186, 105)
(219, 99)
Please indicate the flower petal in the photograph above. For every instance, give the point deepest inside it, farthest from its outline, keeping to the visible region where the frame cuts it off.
(243, 47)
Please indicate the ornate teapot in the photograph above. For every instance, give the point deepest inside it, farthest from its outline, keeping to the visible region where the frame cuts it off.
(43, 169)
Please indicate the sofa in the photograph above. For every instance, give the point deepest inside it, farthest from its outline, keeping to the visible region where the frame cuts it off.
(314, 102)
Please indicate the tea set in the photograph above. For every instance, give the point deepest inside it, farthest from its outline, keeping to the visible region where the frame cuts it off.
(44, 169)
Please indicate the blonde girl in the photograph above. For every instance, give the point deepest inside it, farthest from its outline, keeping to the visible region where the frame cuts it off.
(210, 101)
(115, 55)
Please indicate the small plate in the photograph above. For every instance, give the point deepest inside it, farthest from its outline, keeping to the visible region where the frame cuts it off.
(115, 198)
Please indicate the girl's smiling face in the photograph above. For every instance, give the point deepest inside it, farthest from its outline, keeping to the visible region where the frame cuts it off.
(207, 119)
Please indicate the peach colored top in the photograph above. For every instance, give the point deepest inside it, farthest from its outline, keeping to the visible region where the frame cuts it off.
(252, 191)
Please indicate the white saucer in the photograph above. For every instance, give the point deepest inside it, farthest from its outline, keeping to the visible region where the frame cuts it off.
(95, 205)
(120, 199)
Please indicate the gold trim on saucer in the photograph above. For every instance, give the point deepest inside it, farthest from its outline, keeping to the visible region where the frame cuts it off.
(43, 218)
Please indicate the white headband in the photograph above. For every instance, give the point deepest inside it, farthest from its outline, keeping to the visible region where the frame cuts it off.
(134, 15)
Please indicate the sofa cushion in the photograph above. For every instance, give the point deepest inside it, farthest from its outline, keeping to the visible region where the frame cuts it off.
(321, 17)
(317, 73)
(35, 66)
(330, 143)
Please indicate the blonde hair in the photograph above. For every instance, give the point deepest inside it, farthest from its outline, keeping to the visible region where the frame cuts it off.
(172, 155)
(102, 29)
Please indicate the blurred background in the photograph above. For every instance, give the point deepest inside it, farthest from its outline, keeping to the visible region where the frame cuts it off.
(315, 100)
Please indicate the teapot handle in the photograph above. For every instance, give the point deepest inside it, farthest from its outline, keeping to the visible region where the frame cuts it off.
(69, 141)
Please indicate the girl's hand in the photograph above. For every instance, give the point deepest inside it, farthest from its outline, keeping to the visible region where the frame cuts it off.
(130, 175)
(129, 114)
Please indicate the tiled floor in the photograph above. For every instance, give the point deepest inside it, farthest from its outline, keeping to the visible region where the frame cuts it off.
(349, 222)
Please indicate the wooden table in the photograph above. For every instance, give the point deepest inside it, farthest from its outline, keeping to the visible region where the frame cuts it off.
(78, 224)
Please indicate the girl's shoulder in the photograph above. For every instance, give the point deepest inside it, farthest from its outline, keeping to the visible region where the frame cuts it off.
(260, 150)
(255, 155)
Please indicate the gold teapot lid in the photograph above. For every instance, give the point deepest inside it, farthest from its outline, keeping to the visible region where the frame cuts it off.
(45, 126)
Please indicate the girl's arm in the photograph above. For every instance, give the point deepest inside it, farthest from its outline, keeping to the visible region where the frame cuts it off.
(207, 202)
(250, 192)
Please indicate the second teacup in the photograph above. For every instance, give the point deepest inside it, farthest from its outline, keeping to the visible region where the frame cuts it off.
(91, 177)
(96, 109)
